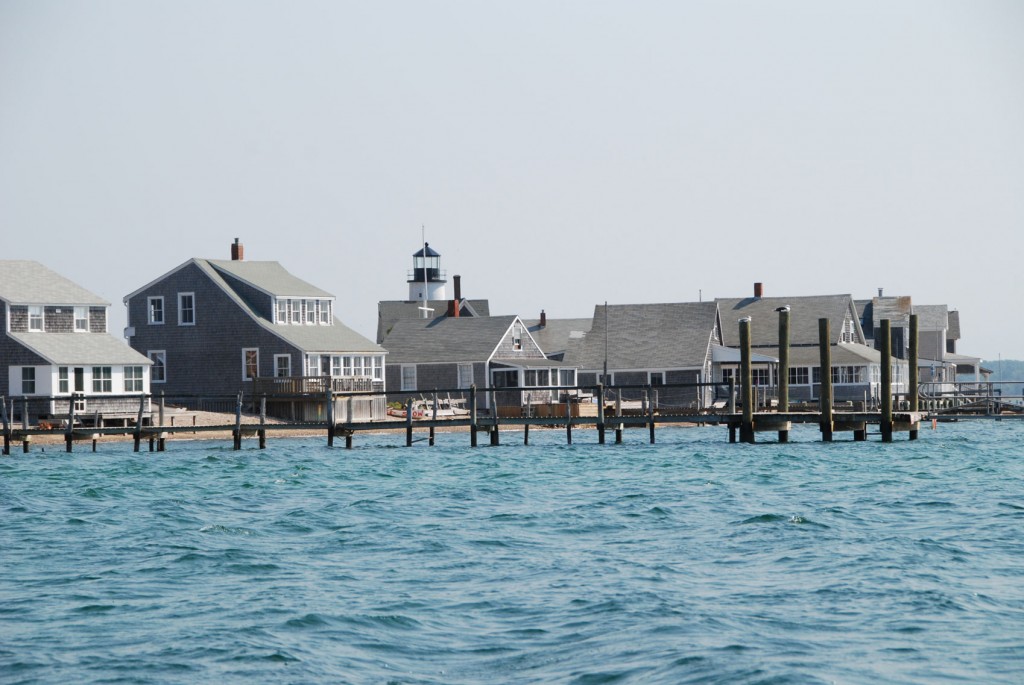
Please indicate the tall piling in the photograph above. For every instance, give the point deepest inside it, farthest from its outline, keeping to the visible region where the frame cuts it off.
(886, 362)
(825, 396)
(747, 383)
(7, 425)
(783, 366)
(914, 378)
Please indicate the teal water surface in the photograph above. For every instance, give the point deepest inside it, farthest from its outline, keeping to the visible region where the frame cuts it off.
(688, 561)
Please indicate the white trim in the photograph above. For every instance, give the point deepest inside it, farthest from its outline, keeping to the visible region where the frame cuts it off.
(282, 356)
(191, 295)
(401, 381)
(149, 310)
(245, 376)
(163, 357)
(41, 309)
(74, 315)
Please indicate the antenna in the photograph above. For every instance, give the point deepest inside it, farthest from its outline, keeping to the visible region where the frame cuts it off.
(423, 239)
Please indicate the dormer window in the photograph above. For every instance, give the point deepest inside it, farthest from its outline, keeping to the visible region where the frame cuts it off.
(282, 311)
(296, 308)
(35, 318)
(517, 337)
(311, 311)
(82, 319)
(325, 312)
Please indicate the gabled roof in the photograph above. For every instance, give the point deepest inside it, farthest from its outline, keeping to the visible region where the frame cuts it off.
(270, 277)
(447, 339)
(839, 354)
(80, 348)
(953, 332)
(897, 309)
(390, 311)
(646, 336)
(932, 317)
(274, 279)
(554, 337)
(26, 282)
(803, 318)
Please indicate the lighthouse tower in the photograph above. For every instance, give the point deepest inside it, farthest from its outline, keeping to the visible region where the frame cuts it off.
(426, 280)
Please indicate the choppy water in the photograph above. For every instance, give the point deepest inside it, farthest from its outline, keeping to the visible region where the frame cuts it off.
(688, 561)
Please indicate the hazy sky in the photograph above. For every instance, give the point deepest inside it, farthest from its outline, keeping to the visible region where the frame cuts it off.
(559, 154)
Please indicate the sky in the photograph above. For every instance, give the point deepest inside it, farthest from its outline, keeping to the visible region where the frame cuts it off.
(558, 155)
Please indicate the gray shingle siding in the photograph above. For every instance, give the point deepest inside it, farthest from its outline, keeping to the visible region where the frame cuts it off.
(259, 301)
(98, 320)
(205, 358)
(19, 319)
(14, 354)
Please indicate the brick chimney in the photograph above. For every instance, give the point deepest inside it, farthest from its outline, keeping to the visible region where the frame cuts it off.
(543, 319)
(457, 284)
(237, 251)
(758, 290)
(453, 309)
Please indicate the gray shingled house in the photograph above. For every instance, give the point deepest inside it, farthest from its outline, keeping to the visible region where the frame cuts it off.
(856, 369)
(56, 345)
(215, 327)
(651, 344)
(456, 352)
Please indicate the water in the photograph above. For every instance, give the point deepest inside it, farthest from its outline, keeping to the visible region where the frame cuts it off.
(688, 561)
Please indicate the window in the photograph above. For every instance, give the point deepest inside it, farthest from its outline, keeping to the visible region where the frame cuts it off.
(567, 377)
(816, 375)
(250, 363)
(158, 372)
(295, 306)
(282, 365)
(28, 380)
(156, 310)
(325, 312)
(728, 375)
(408, 376)
(357, 366)
(798, 375)
(759, 376)
(102, 380)
(535, 378)
(186, 309)
(35, 318)
(282, 311)
(313, 365)
(465, 372)
(346, 366)
(517, 337)
(63, 380)
(311, 311)
(505, 378)
(82, 319)
(133, 379)
(846, 374)
(657, 378)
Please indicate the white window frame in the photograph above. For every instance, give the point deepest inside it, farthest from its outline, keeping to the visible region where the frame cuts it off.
(465, 376)
(150, 301)
(325, 313)
(281, 310)
(182, 309)
(517, 337)
(159, 359)
(36, 318)
(309, 308)
(134, 379)
(408, 372)
(81, 317)
(102, 379)
(799, 375)
(63, 380)
(278, 358)
(29, 376)
(295, 307)
(245, 363)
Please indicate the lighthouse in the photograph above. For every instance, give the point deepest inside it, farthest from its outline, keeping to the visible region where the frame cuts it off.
(426, 280)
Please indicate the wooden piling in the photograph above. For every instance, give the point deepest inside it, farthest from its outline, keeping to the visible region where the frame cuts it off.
(914, 379)
(69, 431)
(408, 422)
(618, 417)
(332, 424)
(26, 439)
(138, 422)
(886, 362)
(495, 437)
(263, 423)
(568, 420)
(747, 380)
(825, 395)
(237, 433)
(783, 367)
(650, 413)
(600, 413)
(472, 415)
(7, 425)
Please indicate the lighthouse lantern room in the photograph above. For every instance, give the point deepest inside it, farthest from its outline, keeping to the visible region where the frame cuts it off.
(426, 280)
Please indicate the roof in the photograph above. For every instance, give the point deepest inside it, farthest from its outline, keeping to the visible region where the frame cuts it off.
(27, 282)
(803, 318)
(896, 309)
(732, 355)
(953, 332)
(554, 337)
(80, 348)
(270, 277)
(646, 336)
(932, 317)
(840, 353)
(426, 250)
(447, 339)
(390, 311)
